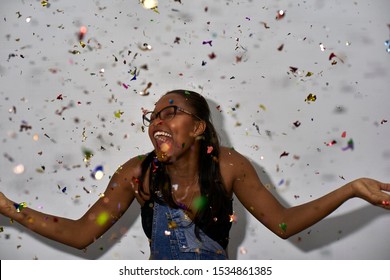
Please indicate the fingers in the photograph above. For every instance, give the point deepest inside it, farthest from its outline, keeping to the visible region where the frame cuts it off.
(385, 202)
(385, 187)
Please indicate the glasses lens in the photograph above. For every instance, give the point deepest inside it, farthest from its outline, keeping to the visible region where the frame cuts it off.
(165, 114)
(168, 113)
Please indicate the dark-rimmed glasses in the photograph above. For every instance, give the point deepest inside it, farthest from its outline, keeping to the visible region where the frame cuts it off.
(165, 114)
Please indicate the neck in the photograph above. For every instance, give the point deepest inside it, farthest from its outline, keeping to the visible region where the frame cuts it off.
(185, 167)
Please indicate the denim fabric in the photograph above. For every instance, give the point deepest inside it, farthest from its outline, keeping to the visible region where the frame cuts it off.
(173, 238)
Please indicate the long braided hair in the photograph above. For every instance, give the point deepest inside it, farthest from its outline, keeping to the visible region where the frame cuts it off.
(215, 202)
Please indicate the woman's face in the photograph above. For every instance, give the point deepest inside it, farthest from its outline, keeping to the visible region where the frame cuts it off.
(172, 135)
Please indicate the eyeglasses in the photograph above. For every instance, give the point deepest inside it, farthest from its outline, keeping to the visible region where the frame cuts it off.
(164, 114)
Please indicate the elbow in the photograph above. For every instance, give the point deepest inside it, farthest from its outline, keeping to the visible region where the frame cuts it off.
(81, 244)
(283, 236)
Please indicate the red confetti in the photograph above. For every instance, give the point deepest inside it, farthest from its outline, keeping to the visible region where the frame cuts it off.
(331, 143)
(82, 32)
(280, 14)
(212, 55)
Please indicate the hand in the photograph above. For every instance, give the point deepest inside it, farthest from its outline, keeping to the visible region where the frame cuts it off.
(372, 191)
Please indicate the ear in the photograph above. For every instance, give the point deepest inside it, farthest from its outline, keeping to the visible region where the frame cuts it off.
(199, 128)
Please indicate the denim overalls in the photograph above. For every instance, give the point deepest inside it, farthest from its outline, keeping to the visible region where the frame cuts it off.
(173, 237)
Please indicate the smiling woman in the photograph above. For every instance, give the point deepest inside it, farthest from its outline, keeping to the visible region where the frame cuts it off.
(185, 187)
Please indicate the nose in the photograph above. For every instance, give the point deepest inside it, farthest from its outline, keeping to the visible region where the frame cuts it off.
(157, 122)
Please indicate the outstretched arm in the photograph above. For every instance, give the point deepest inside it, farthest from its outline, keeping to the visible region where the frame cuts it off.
(286, 222)
(98, 219)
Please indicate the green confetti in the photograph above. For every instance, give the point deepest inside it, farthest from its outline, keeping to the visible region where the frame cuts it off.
(20, 206)
(88, 154)
(199, 203)
(283, 227)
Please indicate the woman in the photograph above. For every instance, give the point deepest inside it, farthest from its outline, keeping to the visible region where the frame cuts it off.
(185, 187)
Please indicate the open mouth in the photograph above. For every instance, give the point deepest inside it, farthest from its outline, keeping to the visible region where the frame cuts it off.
(162, 136)
(163, 140)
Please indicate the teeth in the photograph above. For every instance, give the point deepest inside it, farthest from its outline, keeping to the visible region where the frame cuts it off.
(161, 133)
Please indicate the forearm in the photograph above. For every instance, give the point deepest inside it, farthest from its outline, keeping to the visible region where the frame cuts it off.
(298, 218)
(60, 229)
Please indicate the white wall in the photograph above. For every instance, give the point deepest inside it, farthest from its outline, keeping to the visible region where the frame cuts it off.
(37, 64)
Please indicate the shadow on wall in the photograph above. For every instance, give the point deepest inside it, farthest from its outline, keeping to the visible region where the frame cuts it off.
(319, 235)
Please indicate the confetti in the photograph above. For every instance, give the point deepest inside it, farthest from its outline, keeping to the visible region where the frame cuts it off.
(212, 55)
(145, 91)
(20, 206)
(297, 124)
(263, 107)
(209, 149)
(118, 114)
(45, 3)
(86, 190)
(150, 4)
(332, 56)
(134, 73)
(265, 25)
(145, 47)
(331, 143)
(350, 145)
(387, 44)
(102, 218)
(88, 154)
(172, 225)
(280, 14)
(233, 218)
(97, 173)
(82, 32)
(283, 227)
(19, 169)
(243, 251)
(311, 98)
(284, 154)
(199, 203)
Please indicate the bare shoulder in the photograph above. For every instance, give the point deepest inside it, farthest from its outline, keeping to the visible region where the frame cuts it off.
(230, 157)
(232, 165)
(127, 172)
(132, 166)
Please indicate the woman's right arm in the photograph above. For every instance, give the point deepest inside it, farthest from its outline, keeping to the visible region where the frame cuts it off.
(97, 220)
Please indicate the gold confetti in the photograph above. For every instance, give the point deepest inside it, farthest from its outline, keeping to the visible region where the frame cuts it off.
(311, 98)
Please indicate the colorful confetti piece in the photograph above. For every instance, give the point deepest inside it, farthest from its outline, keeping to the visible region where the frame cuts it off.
(102, 218)
(283, 227)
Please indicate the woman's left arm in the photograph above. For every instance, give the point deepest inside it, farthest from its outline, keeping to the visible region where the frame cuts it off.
(287, 221)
